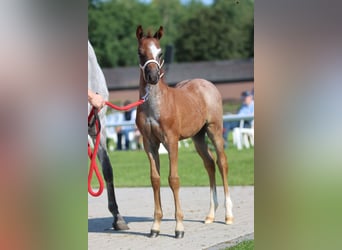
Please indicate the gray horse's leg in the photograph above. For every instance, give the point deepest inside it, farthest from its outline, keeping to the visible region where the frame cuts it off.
(119, 222)
(107, 170)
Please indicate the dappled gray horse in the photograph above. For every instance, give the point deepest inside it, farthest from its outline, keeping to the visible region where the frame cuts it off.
(97, 83)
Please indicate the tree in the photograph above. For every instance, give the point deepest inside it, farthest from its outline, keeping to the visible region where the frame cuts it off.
(111, 29)
(222, 31)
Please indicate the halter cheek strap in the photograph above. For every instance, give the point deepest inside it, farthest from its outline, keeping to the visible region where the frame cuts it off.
(152, 61)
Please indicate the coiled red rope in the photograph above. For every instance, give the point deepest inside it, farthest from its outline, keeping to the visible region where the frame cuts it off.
(92, 154)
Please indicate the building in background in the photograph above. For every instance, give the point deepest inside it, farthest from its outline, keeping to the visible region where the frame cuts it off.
(231, 77)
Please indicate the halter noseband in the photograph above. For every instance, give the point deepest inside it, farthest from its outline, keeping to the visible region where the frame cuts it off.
(152, 61)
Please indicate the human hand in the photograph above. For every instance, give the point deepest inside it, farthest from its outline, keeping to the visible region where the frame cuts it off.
(96, 100)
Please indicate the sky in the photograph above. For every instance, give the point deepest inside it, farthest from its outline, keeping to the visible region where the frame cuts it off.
(207, 2)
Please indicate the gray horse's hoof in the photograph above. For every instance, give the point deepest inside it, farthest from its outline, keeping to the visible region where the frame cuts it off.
(120, 223)
(153, 233)
(179, 234)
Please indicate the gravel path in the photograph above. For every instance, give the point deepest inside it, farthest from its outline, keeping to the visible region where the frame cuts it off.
(136, 205)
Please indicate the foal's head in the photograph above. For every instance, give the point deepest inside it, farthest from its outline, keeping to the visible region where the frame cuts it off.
(150, 53)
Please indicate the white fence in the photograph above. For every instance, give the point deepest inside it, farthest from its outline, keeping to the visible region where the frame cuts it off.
(229, 117)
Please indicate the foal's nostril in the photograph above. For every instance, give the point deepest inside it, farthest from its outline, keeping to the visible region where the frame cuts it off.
(151, 75)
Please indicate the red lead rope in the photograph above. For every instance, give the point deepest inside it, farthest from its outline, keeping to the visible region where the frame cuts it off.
(128, 107)
(92, 155)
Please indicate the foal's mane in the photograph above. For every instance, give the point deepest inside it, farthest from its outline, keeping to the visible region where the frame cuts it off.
(149, 34)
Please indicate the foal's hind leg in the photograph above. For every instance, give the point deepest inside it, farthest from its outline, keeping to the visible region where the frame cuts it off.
(215, 134)
(204, 152)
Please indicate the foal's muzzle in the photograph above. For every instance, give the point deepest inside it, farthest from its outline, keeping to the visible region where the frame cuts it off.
(152, 75)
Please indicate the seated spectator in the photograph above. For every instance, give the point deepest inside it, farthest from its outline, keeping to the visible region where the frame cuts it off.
(125, 130)
(247, 108)
(112, 117)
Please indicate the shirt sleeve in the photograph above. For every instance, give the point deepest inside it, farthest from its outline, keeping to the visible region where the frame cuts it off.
(243, 110)
(247, 110)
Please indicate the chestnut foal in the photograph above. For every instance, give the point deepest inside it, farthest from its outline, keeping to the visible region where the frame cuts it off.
(192, 109)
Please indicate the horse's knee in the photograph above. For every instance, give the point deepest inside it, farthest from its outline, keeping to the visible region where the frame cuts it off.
(174, 182)
(155, 181)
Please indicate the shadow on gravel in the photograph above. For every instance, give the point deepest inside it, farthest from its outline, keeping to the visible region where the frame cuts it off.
(101, 225)
(104, 225)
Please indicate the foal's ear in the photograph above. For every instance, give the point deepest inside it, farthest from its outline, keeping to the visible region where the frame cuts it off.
(139, 33)
(159, 33)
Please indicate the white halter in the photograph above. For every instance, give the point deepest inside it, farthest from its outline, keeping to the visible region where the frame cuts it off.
(152, 61)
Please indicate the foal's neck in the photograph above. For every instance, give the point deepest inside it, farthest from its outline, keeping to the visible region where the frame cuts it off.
(154, 91)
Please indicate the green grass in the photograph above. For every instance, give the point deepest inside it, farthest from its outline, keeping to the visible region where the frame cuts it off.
(231, 106)
(245, 245)
(131, 168)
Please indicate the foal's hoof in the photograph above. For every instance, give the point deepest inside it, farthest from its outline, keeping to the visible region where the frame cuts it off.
(179, 234)
(209, 220)
(153, 234)
(120, 223)
(229, 220)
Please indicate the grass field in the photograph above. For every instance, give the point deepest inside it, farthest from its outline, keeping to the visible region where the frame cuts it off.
(245, 245)
(131, 168)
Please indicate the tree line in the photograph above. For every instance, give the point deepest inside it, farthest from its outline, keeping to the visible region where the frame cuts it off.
(197, 32)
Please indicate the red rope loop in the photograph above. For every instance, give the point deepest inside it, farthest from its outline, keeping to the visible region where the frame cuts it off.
(92, 155)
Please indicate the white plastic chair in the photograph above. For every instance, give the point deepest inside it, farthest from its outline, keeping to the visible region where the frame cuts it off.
(243, 137)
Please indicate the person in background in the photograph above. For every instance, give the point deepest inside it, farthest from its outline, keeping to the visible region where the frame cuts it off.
(129, 115)
(138, 139)
(112, 117)
(247, 108)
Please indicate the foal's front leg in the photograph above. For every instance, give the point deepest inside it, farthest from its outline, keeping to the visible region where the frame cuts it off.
(175, 184)
(153, 156)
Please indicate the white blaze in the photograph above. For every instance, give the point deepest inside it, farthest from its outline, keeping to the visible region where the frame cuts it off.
(154, 50)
